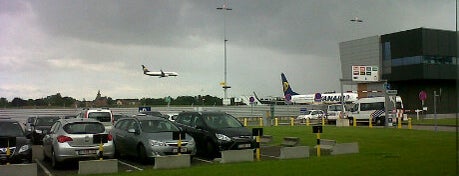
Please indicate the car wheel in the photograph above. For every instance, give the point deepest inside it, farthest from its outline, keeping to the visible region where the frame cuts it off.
(142, 154)
(351, 121)
(210, 149)
(54, 161)
(117, 153)
(381, 121)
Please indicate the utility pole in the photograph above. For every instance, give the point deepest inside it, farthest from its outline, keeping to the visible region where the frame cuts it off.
(224, 84)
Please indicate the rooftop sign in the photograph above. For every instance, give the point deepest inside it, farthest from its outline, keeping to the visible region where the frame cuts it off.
(365, 73)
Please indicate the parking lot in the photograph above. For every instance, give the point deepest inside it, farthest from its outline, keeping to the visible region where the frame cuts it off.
(131, 164)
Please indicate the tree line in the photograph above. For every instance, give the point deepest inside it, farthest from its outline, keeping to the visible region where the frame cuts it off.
(58, 100)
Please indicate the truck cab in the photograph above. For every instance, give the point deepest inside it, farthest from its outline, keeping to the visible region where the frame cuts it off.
(335, 111)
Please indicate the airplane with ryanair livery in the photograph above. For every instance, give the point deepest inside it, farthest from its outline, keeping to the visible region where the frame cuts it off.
(160, 74)
(329, 98)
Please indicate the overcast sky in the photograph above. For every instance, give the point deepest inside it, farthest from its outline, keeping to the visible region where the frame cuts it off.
(79, 47)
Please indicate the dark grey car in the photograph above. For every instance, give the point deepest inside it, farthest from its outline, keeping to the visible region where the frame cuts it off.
(41, 126)
(215, 131)
(147, 137)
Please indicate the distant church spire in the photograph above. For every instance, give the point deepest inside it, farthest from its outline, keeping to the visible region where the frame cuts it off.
(98, 95)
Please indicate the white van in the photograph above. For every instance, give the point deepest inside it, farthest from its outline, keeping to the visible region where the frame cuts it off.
(365, 108)
(104, 115)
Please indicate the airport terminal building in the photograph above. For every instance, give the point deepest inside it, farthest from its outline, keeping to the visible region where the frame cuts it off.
(413, 61)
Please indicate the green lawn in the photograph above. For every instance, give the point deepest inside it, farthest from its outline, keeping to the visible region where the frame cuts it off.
(447, 121)
(383, 151)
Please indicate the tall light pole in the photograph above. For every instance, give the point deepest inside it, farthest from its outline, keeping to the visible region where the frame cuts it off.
(224, 84)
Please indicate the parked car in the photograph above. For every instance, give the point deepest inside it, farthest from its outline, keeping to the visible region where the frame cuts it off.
(42, 125)
(22, 151)
(154, 113)
(72, 139)
(147, 137)
(215, 131)
(103, 115)
(312, 115)
(116, 117)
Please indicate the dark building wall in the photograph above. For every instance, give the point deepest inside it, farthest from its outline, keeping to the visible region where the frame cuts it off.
(431, 74)
(409, 91)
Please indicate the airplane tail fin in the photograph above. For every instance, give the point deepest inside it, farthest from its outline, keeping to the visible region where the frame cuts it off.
(286, 87)
(145, 70)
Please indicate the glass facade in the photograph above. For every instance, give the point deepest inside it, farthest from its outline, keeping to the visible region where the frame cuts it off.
(415, 60)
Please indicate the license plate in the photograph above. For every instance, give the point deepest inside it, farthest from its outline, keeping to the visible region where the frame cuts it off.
(86, 152)
(241, 146)
(182, 150)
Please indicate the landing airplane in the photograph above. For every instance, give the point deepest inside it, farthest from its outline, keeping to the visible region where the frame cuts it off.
(293, 97)
(160, 74)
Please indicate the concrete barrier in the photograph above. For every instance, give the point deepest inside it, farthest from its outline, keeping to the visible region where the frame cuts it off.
(172, 161)
(266, 139)
(294, 152)
(345, 148)
(291, 141)
(19, 169)
(327, 144)
(233, 156)
(98, 166)
(37, 152)
(342, 122)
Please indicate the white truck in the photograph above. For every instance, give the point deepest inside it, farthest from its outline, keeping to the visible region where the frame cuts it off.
(366, 108)
(335, 111)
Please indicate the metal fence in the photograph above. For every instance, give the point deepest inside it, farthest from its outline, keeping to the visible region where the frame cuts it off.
(240, 112)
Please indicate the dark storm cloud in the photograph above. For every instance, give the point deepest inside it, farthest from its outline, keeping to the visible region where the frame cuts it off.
(161, 23)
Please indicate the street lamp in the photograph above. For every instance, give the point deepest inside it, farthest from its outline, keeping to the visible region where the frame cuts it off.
(224, 83)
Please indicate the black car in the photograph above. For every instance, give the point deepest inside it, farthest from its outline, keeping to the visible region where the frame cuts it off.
(215, 131)
(42, 125)
(22, 151)
(154, 113)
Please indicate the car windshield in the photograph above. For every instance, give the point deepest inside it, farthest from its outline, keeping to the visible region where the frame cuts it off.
(155, 126)
(335, 108)
(84, 128)
(217, 121)
(46, 121)
(12, 129)
(100, 116)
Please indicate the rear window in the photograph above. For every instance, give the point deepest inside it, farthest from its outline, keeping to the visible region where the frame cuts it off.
(46, 121)
(12, 129)
(156, 126)
(84, 128)
(100, 116)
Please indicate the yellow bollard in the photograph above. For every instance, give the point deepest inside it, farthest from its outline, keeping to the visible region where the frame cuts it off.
(318, 145)
(245, 121)
(101, 151)
(323, 121)
(399, 124)
(261, 121)
(369, 122)
(8, 153)
(276, 121)
(354, 122)
(257, 150)
(409, 123)
(292, 122)
(307, 122)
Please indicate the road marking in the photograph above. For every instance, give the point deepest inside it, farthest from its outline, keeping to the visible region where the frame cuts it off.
(140, 169)
(270, 156)
(43, 167)
(203, 160)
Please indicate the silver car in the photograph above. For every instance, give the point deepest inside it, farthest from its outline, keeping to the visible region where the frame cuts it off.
(147, 137)
(72, 139)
